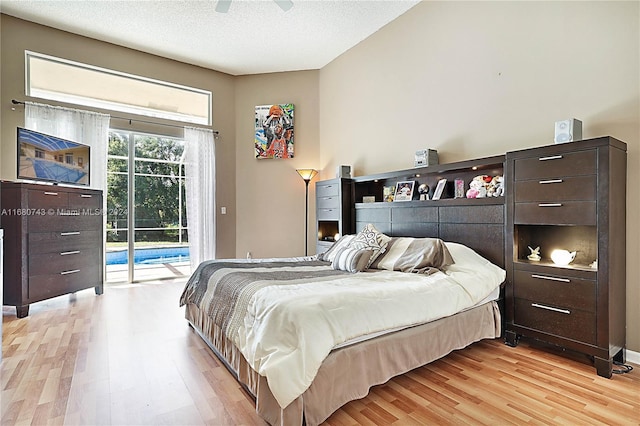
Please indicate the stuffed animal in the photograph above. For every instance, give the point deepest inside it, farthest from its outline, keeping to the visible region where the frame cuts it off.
(478, 187)
(499, 186)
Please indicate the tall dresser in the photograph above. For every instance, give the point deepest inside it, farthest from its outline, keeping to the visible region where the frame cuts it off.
(571, 197)
(334, 211)
(53, 242)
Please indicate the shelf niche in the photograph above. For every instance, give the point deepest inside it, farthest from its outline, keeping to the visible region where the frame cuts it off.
(581, 239)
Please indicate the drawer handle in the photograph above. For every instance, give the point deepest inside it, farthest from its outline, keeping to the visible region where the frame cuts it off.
(553, 157)
(73, 271)
(549, 308)
(65, 253)
(551, 181)
(50, 193)
(328, 198)
(550, 205)
(86, 195)
(543, 277)
(66, 234)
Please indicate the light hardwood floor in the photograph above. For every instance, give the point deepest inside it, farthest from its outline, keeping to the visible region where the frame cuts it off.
(128, 357)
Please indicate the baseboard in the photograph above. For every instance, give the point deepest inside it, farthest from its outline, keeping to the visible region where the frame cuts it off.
(632, 356)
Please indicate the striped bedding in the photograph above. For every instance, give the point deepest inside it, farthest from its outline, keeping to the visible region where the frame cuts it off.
(286, 316)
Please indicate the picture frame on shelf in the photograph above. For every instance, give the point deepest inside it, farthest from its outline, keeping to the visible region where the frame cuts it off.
(439, 189)
(388, 193)
(459, 188)
(404, 191)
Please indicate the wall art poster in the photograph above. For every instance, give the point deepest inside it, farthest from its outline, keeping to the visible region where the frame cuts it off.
(274, 131)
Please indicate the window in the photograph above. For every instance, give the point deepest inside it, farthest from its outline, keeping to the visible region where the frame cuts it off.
(73, 82)
(39, 153)
(145, 176)
(69, 158)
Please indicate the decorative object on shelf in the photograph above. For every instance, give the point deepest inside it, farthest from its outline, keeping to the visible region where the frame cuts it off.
(458, 188)
(594, 264)
(404, 191)
(343, 172)
(423, 190)
(496, 187)
(369, 199)
(478, 186)
(568, 130)
(426, 157)
(535, 254)
(274, 131)
(306, 175)
(439, 189)
(562, 257)
(388, 193)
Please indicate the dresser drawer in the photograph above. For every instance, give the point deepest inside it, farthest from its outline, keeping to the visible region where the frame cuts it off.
(328, 189)
(84, 200)
(581, 188)
(328, 214)
(65, 223)
(48, 242)
(555, 290)
(554, 166)
(49, 199)
(328, 202)
(60, 263)
(573, 324)
(556, 213)
(51, 285)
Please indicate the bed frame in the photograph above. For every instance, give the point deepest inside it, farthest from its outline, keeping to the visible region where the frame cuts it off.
(476, 223)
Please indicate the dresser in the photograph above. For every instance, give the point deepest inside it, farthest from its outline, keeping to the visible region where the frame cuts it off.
(53, 242)
(570, 197)
(334, 211)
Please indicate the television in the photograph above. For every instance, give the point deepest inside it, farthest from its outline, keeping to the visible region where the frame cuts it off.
(52, 159)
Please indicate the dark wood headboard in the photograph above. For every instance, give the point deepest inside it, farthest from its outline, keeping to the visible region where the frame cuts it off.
(476, 223)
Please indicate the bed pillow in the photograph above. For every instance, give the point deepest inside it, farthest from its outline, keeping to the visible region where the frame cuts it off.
(351, 259)
(372, 239)
(330, 254)
(420, 255)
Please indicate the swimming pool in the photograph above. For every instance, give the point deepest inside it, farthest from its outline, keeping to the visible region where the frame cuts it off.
(149, 256)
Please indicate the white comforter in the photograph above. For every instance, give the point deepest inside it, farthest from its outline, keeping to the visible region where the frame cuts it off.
(289, 330)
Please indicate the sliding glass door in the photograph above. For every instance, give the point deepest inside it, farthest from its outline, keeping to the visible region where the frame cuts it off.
(146, 221)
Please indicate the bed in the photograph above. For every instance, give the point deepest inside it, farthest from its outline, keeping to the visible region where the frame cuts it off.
(306, 335)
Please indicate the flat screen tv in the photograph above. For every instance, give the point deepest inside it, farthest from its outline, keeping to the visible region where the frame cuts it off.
(52, 159)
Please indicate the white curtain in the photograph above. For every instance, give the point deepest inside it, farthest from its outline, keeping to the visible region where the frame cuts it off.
(86, 127)
(200, 172)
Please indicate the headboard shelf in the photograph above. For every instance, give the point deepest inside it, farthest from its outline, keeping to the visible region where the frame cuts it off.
(373, 185)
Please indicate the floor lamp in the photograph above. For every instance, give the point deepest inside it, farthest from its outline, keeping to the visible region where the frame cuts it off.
(307, 175)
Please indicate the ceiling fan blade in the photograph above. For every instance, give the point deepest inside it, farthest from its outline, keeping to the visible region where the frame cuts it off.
(223, 6)
(284, 4)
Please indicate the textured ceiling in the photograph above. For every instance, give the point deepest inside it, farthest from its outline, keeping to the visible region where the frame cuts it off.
(253, 37)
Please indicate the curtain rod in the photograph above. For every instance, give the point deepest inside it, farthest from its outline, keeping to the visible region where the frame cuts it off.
(215, 132)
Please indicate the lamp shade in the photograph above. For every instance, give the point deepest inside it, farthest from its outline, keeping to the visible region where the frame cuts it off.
(307, 174)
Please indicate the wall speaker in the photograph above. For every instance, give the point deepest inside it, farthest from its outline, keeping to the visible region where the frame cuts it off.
(568, 131)
(343, 172)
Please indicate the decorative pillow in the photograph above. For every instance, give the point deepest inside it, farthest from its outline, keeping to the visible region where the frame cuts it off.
(421, 255)
(351, 259)
(372, 239)
(330, 254)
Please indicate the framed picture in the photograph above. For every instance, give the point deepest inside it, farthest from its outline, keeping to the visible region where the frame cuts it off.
(439, 189)
(404, 191)
(459, 188)
(387, 193)
(274, 131)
